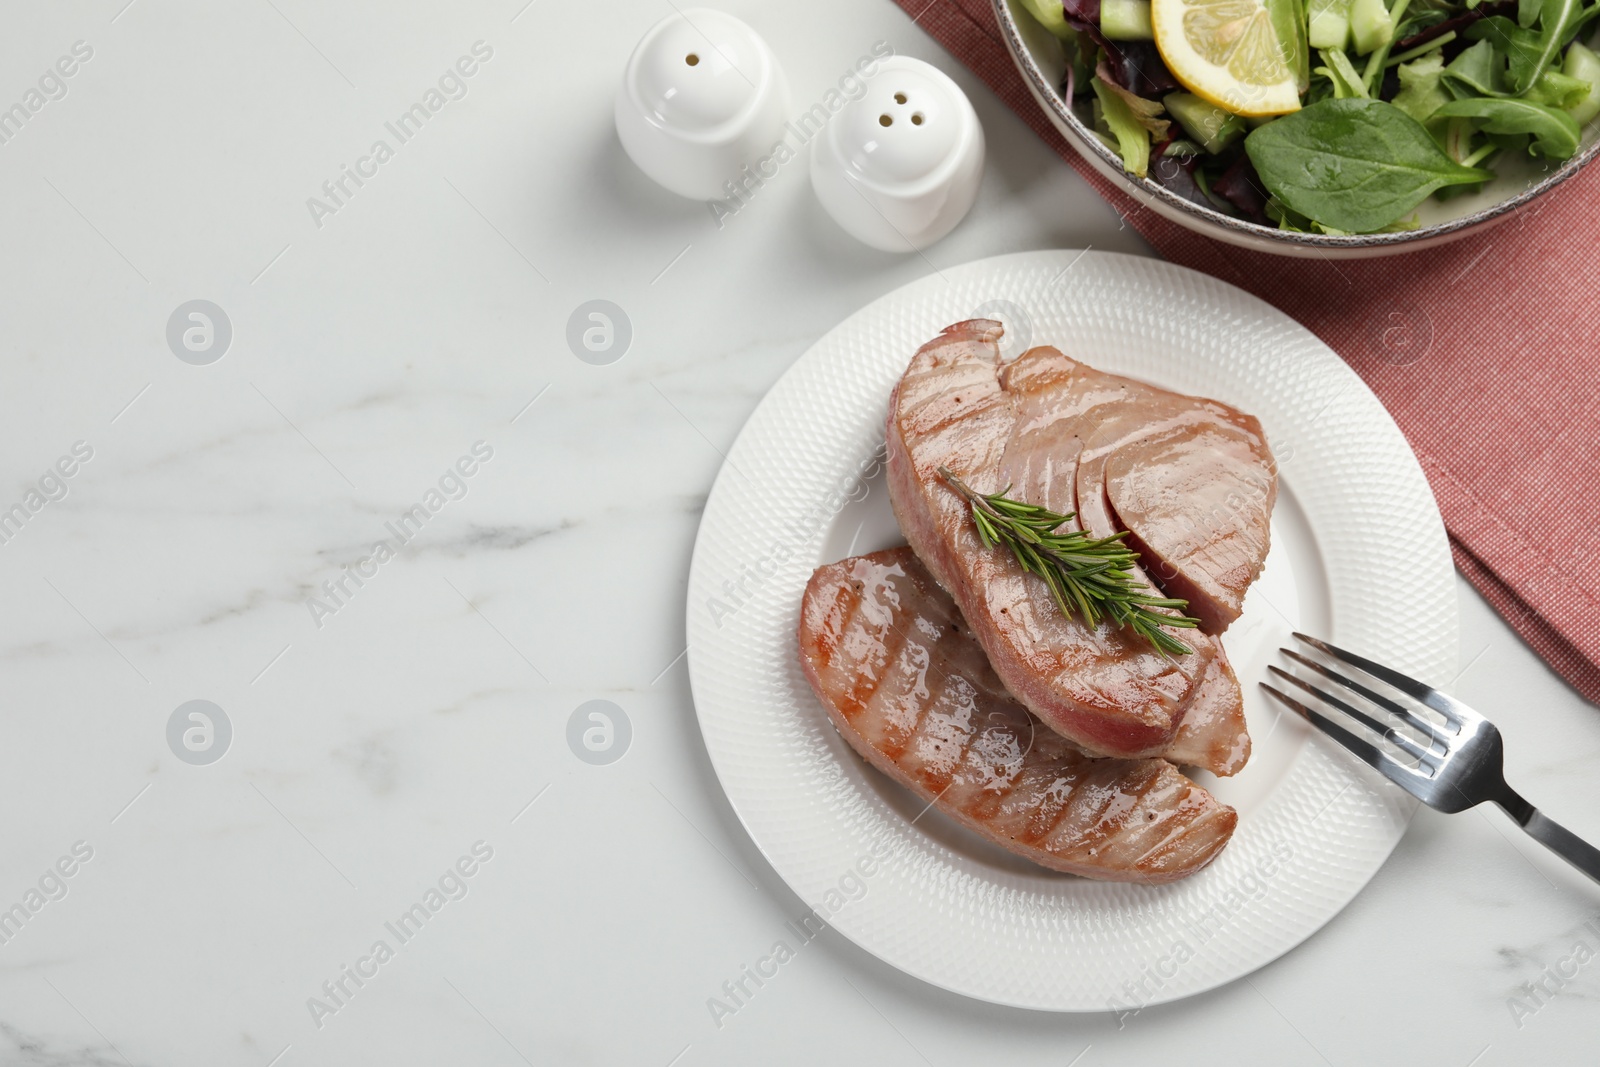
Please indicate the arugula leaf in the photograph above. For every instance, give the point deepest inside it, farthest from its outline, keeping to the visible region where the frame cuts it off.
(1353, 164)
(1481, 71)
(1555, 134)
(1531, 52)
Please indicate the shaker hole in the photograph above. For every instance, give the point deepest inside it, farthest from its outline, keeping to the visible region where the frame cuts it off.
(916, 119)
(899, 98)
(692, 59)
(885, 120)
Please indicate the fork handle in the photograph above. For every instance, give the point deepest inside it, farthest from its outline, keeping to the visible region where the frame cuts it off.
(1552, 835)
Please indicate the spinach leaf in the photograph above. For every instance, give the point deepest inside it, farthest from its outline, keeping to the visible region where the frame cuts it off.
(1555, 134)
(1354, 164)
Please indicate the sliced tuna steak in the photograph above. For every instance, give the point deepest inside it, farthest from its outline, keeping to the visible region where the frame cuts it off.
(908, 686)
(1044, 428)
(1197, 501)
(1212, 735)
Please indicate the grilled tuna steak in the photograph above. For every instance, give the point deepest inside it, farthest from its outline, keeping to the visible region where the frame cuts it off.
(1212, 735)
(908, 686)
(1054, 431)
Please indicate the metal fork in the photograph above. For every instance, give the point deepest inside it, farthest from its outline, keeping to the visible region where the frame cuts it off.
(1449, 765)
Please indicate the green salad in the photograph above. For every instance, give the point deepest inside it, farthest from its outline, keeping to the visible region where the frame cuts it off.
(1327, 116)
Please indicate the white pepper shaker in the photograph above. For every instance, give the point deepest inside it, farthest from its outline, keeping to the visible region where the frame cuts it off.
(702, 96)
(899, 167)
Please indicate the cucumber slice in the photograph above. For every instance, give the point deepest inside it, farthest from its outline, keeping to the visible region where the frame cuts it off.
(1051, 15)
(1330, 24)
(1212, 128)
(1126, 20)
(1289, 22)
(1370, 25)
(1584, 65)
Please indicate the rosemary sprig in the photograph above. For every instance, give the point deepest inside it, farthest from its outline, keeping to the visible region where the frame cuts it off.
(1086, 575)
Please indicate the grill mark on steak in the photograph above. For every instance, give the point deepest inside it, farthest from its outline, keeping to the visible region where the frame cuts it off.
(935, 718)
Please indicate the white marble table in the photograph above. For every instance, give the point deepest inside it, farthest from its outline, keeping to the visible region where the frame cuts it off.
(379, 740)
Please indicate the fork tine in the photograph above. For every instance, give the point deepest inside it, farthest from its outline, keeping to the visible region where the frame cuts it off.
(1411, 717)
(1455, 712)
(1369, 753)
(1383, 730)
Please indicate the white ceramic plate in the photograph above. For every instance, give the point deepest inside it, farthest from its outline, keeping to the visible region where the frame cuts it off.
(1359, 555)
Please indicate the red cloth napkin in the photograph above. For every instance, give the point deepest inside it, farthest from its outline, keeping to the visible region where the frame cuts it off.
(1482, 350)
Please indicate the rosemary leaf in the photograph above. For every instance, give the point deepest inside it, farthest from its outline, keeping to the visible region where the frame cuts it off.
(1087, 576)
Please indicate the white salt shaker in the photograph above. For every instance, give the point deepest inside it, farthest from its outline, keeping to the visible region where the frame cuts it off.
(899, 167)
(702, 96)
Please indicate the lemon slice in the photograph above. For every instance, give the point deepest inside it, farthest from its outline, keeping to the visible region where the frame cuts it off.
(1226, 52)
